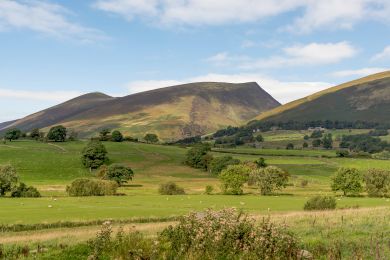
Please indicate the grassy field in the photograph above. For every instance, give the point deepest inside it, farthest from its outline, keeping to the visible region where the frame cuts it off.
(51, 167)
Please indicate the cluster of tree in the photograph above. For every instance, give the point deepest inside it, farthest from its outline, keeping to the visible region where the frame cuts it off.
(189, 140)
(56, 134)
(378, 132)
(363, 142)
(117, 136)
(319, 139)
(350, 182)
(9, 182)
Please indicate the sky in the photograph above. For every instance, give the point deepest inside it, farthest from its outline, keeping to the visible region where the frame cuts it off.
(53, 50)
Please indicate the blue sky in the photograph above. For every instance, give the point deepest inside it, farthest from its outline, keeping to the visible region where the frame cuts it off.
(54, 50)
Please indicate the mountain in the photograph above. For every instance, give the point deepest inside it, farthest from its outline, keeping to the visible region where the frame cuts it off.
(365, 99)
(172, 113)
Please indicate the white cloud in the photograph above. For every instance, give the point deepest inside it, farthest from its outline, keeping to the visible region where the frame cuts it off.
(55, 96)
(358, 72)
(283, 91)
(384, 55)
(46, 18)
(297, 55)
(316, 13)
(248, 44)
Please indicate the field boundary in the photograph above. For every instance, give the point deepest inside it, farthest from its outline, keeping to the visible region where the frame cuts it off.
(271, 154)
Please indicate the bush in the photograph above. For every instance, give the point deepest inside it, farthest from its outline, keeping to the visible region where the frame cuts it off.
(23, 191)
(91, 187)
(342, 153)
(117, 136)
(377, 182)
(304, 183)
(208, 189)
(320, 203)
(290, 146)
(233, 178)
(117, 172)
(260, 163)
(220, 163)
(94, 155)
(385, 155)
(170, 188)
(198, 157)
(226, 234)
(305, 145)
(8, 178)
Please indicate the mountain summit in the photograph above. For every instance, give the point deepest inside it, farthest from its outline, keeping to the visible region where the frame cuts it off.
(172, 112)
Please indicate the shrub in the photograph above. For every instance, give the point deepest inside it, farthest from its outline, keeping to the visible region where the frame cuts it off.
(23, 191)
(117, 136)
(119, 173)
(305, 145)
(91, 187)
(233, 179)
(342, 153)
(269, 179)
(320, 203)
(290, 146)
(385, 155)
(170, 188)
(304, 183)
(94, 155)
(316, 143)
(226, 234)
(208, 189)
(261, 163)
(377, 182)
(198, 157)
(220, 163)
(347, 180)
(8, 178)
(259, 138)
(151, 138)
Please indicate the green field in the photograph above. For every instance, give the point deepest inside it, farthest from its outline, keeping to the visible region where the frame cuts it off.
(50, 167)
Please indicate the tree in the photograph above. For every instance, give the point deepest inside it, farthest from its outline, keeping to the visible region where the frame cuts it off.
(261, 163)
(116, 136)
(198, 157)
(151, 138)
(327, 141)
(57, 134)
(306, 137)
(104, 135)
(269, 179)
(13, 134)
(119, 173)
(8, 178)
(220, 163)
(259, 138)
(290, 146)
(316, 134)
(94, 155)
(305, 145)
(347, 180)
(233, 179)
(377, 182)
(316, 143)
(35, 134)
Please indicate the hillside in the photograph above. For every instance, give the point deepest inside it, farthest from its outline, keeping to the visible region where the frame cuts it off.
(172, 112)
(366, 99)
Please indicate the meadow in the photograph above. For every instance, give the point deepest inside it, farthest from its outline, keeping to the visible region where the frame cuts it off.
(52, 166)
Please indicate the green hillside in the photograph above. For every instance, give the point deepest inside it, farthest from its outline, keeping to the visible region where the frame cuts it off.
(365, 99)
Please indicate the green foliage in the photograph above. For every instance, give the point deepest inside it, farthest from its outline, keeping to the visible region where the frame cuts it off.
(91, 187)
(119, 173)
(363, 142)
(219, 163)
(233, 179)
(377, 182)
(347, 180)
(104, 135)
(259, 138)
(320, 203)
(13, 134)
(94, 155)
(226, 234)
(305, 145)
(306, 137)
(290, 146)
(170, 188)
(327, 141)
(269, 179)
(208, 189)
(261, 163)
(35, 134)
(385, 155)
(316, 143)
(117, 136)
(24, 191)
(151, 138)
(342, 153)
(378, 132)
(198, 157)
(8, 178)
(57, 134)
(316, 134)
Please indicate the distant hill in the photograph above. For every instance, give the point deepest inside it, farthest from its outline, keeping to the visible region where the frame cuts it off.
(172, 113)
(366, 99)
